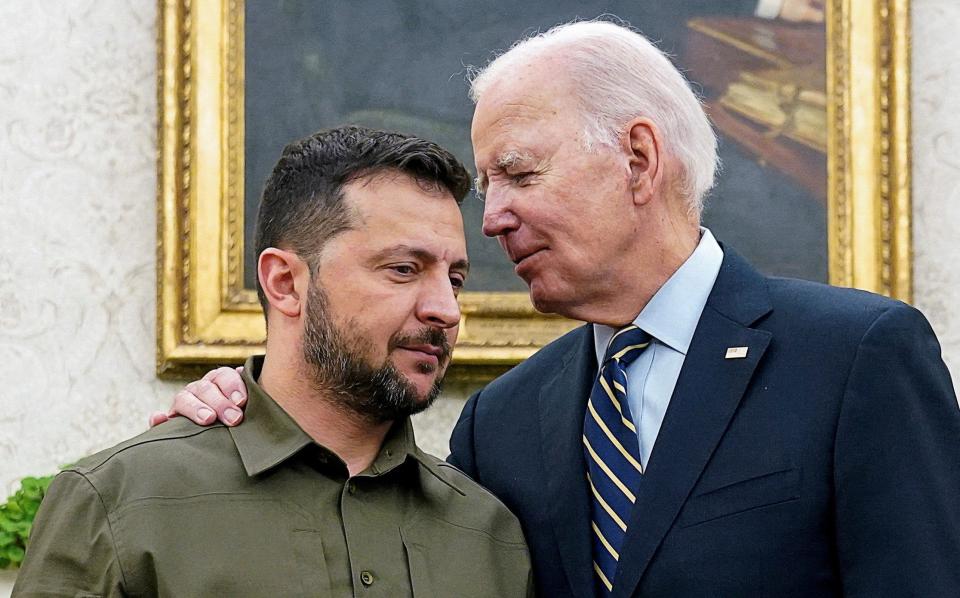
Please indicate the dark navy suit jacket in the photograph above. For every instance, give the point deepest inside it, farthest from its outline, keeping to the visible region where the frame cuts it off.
(826, 462)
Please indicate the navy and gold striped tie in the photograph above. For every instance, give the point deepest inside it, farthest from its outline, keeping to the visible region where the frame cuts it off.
(612, 451)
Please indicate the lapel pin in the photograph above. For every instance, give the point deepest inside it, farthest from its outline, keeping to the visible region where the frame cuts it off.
(736, 352)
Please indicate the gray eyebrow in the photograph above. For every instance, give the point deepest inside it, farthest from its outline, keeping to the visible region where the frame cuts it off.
(510, 158)
(507, 159)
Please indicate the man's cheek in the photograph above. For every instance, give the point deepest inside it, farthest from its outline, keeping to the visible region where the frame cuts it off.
(452, 334)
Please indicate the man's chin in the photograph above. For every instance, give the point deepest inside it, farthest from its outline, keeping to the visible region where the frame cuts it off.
(427, 385)
(542, 299)
(423, 383)
(554, 295)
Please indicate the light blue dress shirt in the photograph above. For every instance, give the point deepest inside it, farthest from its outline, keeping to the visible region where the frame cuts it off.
(671, 318)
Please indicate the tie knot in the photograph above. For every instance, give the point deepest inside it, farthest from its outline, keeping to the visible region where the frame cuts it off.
(626, 345)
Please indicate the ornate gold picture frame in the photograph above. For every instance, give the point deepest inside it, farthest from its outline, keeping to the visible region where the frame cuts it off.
(206, 316)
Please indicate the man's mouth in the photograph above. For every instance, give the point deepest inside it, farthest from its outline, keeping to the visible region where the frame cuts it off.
(519, 257)
(429, 346)
(522, 261)
(427, 351)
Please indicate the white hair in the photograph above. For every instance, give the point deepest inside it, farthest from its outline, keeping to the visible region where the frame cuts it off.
(619, 75)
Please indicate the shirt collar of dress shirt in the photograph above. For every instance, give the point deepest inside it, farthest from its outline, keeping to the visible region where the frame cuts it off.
(671, 316)
(268, 435)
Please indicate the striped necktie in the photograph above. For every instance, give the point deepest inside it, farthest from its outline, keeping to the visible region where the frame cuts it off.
(612, 451)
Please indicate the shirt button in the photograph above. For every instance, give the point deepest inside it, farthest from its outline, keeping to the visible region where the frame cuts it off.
(351, 487)
(366, 578)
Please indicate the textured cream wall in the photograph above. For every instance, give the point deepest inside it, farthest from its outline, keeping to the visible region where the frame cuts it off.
(77, 240)
(936, 171)
(77, 180)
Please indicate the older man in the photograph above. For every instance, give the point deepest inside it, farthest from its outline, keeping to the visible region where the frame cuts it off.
(711, 430)
(323, 492)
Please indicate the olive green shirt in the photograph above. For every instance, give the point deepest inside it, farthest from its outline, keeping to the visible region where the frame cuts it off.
(262, 510)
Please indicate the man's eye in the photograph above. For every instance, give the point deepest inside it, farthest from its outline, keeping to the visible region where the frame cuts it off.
(456, 282)
(521, 178)
(404, 269)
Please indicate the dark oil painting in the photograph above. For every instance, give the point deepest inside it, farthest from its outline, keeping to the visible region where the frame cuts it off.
(402, 65)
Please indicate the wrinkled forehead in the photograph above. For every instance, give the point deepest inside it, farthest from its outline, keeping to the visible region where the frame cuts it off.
(527, 89)
(510, 122)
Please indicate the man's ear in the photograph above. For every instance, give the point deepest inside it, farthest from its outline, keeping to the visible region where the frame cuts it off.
(642, 143)
(284, 278)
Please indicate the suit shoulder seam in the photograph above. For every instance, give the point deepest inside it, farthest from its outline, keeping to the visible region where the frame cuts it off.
(846, 383)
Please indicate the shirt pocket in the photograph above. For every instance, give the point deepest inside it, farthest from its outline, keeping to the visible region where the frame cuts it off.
(448, 560)
(220, 545)
(741, 496)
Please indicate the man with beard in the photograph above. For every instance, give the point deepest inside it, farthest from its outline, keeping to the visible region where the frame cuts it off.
(323, 491)
(776, 437)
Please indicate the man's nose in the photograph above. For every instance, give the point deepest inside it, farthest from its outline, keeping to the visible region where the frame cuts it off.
(498, 216)
(438, 305)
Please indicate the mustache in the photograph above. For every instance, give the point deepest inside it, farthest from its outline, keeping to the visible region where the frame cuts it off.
(424, 336)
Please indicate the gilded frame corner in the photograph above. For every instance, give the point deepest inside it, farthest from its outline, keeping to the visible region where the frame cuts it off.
(205, 316)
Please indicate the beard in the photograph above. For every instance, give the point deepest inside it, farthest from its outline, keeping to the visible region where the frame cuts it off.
(339, 366)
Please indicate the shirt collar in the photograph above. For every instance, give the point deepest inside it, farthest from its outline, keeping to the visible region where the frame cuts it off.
(672, 314)
(269, 436)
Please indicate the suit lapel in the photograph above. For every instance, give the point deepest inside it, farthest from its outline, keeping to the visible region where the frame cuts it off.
(704, 400)
(563, 400)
